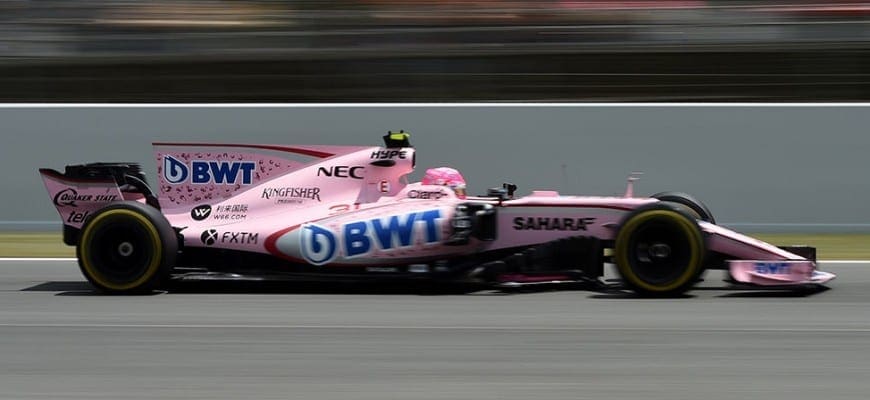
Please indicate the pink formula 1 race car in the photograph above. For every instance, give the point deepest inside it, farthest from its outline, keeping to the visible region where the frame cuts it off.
(256, 212)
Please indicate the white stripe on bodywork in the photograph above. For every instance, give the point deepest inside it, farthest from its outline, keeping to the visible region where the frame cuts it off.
(745, 240)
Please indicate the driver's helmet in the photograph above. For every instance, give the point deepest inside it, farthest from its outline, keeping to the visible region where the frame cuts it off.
(446, 176)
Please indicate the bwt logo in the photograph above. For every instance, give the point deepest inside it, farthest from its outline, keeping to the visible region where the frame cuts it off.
(202, 172)
(773, 268)
(320, 245)
(317, 244)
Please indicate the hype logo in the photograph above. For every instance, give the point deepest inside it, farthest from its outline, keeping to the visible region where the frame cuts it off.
(317, 244)
(202, 172)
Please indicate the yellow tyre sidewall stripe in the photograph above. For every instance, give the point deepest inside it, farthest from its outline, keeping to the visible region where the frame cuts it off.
(95, 274)
(692, 233)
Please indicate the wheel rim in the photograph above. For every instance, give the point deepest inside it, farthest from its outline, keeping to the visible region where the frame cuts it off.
(121, 251)
(656, 248)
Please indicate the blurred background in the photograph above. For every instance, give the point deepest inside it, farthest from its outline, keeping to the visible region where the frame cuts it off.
(759, 168)
(428, 50)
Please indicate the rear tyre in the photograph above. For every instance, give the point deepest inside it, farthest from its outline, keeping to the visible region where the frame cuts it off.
(659, 250)
(127, 247)
(690, 201)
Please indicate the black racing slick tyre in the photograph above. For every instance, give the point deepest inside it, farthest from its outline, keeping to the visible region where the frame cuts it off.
(659, 250)
(127, 247)
(690, 201)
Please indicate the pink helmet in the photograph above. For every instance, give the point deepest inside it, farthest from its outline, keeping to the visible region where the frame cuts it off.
(446, 176)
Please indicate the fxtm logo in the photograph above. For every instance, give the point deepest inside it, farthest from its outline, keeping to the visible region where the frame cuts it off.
(201, 172)
(341, 171)
(320, 245)
(69, 197)
(200, 213)
(212, 236)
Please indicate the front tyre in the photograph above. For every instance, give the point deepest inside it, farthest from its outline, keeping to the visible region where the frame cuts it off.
(659, 250)
(127, 247)
(699, 208)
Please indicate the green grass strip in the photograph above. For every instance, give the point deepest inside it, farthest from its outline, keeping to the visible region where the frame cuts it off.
(34, 245)
(829, 246)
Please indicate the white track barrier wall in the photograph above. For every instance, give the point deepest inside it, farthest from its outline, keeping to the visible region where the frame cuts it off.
(795, 168)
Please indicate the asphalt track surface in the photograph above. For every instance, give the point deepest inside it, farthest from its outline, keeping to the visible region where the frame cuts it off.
(58, 340)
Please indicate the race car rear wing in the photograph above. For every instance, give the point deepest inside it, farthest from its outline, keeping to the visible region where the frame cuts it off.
(83, 189)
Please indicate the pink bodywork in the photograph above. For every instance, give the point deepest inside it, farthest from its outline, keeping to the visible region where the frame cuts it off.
(75, 200)
(352, 205)
(775, 273)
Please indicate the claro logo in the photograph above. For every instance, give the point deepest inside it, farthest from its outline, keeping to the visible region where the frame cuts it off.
(422, 194)
(205, 171)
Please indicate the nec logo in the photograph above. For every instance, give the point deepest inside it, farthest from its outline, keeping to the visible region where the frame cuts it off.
(341, 171)
(202, 172)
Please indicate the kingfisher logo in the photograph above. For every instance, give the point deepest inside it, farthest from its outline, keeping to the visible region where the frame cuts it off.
(203, 171)
(320, 245)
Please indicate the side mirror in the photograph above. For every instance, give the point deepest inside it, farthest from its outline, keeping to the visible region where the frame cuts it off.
(510, 188)
(500, 193)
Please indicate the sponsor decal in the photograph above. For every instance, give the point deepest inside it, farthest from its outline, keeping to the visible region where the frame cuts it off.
(389, 154)
(222, 212)
(552, 224)
(233, 212)
(69, 197)
(200, 213)
(208, 237)
(320, 245)
(384, 186)
(77, 217)
(772, 268)
(208, 171)
(291, 195)
(341, 171)
(426, 194)
(212, 236)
